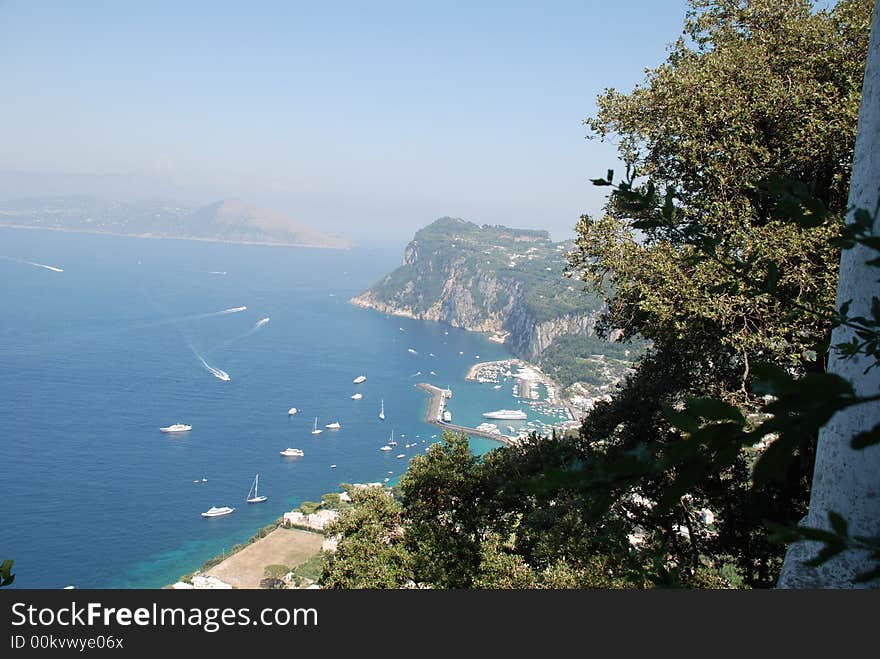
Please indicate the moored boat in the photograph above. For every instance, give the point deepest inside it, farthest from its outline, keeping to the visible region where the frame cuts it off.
(214, 511)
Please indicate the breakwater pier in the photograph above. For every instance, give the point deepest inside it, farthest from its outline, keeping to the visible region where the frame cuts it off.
(436, 407)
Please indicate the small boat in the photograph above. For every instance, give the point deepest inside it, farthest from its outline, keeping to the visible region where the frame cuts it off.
(177, 427)
(254, 494)
(385, 448)
(197, 481)
(497, 386)
(333, 426)
(292, 411)
(357, 396)
(292, 453)
(431, 354)
(386, 480)
(214, 511)
(204, 480)
(359, 379)
(401, 455)
(391, 441)
(333, 466)
(316, 430)
(382, 410)
(410, 350)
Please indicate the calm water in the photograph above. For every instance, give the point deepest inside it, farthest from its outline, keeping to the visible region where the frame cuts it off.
(94, 359)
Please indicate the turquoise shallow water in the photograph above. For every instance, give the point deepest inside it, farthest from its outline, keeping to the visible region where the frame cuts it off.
(96, 358)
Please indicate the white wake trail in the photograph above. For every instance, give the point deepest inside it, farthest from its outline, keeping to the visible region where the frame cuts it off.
(216, 372)
(43, 265)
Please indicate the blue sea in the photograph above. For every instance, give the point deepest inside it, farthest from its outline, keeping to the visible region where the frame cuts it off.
(95, 358)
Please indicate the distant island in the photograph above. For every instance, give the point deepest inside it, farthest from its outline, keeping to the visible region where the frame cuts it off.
(510, 283)
(228, 220)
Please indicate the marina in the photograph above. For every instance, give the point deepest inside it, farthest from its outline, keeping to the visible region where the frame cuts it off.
(434, 416)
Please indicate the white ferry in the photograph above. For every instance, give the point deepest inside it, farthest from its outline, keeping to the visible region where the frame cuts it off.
(505, 414)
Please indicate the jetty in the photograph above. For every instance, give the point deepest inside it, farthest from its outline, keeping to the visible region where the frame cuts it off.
(437, 405)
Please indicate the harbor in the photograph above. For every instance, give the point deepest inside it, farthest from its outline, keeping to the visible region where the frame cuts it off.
(437, 406)
(534, 389)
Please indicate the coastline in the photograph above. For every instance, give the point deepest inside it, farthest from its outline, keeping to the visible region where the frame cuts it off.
(150, 236)
(242, 567)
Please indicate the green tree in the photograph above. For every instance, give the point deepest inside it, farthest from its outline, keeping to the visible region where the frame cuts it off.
(438, 492)
(371, 552)
(698, 256)
(308, 507)
(6, 575)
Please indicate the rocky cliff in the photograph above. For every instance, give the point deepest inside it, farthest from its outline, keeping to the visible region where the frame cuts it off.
(487, 279)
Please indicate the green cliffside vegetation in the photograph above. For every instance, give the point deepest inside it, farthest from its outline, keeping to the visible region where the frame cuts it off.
(496, 279)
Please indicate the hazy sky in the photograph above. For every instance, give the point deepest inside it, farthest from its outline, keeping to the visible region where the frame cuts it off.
(356, 117)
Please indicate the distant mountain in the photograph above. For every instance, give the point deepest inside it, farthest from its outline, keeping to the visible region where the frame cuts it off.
(229, 220)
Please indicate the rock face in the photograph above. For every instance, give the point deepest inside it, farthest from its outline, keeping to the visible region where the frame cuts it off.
(529, 339)
(486, 279)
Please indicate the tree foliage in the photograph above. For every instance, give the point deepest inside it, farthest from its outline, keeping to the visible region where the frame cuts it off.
(698, 252)
(370, 553)
(720, 247)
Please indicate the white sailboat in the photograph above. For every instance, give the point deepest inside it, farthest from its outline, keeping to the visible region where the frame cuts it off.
(316, 430)
(382, 410)
(254, 494)
(391, 441)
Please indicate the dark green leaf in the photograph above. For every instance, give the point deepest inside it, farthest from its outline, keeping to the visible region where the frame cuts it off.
(714, 410)
(866, 438)
(838, 523)
(870, 575)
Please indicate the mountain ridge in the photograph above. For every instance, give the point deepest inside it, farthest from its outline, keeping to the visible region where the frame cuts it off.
(226, 220)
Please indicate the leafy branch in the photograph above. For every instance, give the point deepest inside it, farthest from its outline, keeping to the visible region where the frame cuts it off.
(6, 576)
(714, 432)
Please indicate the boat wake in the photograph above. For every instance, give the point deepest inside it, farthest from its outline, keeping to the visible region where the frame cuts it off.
(232, 310)
(216, 372)
(236, 339)
(36, 265)
(47, 267)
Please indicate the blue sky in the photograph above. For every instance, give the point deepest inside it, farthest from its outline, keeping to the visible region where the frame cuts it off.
(363, 118)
